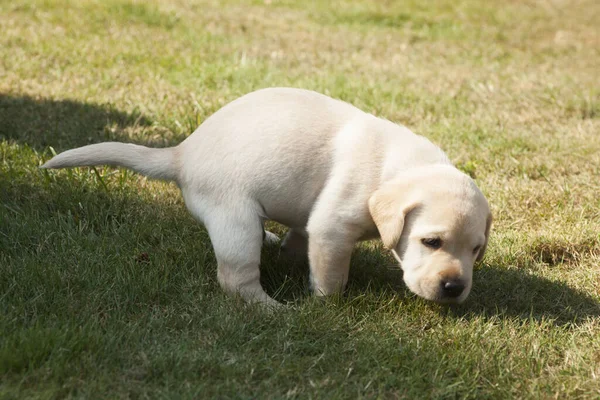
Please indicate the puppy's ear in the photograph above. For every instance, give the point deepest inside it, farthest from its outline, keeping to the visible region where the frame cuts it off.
(488, 225)
(388, 207)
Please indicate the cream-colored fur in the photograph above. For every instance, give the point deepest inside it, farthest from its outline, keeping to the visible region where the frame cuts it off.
(331, 173)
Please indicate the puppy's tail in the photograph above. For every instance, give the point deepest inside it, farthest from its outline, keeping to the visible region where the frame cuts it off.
(153, 163)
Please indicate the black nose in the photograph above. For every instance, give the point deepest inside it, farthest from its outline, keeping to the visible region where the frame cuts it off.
(452, 288)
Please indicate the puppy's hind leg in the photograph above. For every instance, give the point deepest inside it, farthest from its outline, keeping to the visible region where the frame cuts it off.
(295, 243)
(236, 234)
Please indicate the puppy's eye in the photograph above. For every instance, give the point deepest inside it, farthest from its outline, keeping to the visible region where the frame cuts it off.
(476, 249)
(432, 243)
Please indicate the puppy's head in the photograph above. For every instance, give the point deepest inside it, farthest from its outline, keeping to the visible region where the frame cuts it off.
(436, 221)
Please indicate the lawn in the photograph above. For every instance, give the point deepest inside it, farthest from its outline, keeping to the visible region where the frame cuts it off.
(108, 286)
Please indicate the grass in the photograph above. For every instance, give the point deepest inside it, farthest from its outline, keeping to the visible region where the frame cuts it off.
(108, 287)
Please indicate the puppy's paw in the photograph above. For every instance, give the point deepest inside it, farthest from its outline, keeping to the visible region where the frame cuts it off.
(270, 238)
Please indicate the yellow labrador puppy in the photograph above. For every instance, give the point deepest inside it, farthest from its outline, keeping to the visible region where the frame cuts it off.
(331, 173)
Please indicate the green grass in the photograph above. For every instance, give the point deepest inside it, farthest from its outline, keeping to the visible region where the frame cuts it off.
(108, 286)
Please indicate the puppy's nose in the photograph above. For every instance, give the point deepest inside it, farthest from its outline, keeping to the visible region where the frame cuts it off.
(452, 288)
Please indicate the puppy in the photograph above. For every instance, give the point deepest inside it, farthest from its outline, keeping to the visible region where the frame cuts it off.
(331, 173)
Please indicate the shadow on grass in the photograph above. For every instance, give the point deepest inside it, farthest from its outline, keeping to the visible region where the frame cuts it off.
(517, 293)
(497, 291)
(60, 234)
(62, 124)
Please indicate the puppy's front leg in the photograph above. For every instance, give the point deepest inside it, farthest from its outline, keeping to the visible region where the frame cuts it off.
(333, 228)
(329, 252)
